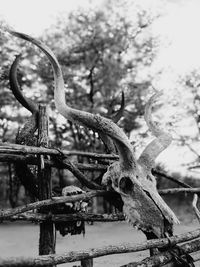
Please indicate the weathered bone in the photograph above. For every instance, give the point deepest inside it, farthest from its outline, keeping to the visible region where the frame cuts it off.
(26, 134)
(162, 141)
(142, 205)
(26, 102)
(77, 227)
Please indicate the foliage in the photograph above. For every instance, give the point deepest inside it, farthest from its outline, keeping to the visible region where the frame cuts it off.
(101, 52)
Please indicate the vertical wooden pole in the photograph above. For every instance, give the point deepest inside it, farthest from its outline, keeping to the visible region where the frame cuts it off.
(87, 263)
(47, 229)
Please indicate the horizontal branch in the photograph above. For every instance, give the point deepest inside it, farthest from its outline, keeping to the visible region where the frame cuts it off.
(22, 149)
(48, 202)
(75, 168)
(85, 196)
(166, 257)
(38, 217)
(61, 163)
(179, 190)
(73, 256)
(32, 160)
(6, 148)
(173, 179)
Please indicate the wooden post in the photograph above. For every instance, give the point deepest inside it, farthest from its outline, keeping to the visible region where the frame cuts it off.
(87, 263)
(47, 229)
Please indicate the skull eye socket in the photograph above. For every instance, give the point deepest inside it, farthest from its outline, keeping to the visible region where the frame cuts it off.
(126, 185)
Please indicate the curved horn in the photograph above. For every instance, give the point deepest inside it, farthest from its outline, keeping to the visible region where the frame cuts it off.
(26, 134)
(95, 122)
(162, 141)
(14, 85)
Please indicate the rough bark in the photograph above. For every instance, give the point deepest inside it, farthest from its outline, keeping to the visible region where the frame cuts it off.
(73, 256)
(47, 229)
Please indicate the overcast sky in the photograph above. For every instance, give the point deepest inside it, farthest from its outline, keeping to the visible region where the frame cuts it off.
(33, 16)
(177, 28)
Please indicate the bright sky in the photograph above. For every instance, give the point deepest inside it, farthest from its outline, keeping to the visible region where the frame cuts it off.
(34, 17)
(177, 28)
(180, 46)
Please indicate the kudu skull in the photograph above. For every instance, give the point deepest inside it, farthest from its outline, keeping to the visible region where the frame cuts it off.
(131, 178)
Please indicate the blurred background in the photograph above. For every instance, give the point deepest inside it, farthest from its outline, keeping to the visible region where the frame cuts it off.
(106, 47)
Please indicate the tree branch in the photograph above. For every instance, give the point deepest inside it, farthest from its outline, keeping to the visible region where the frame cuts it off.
(25, 150)
(179, 190)
(175, 180)
(48, 202)
(32, 160)
(39, 217)
(166, 257)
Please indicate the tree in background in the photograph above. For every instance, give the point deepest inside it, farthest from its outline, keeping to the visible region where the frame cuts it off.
(102, 53)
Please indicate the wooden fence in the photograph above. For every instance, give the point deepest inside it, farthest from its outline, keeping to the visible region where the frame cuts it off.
(45, 158)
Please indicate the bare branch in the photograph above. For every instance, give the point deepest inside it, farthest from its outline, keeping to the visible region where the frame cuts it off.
(175, 180)
(179, 190)
(166, 257)
(34, 161)
(38, 217)
(48, 202)
(25, 150)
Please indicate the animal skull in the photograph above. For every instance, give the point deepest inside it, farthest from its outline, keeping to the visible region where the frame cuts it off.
(131, 178)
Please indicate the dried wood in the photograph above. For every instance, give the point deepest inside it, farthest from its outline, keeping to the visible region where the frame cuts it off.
(179, 190)
(32, 160)
(166, 257)
(47, 239)
(7, 213)
(73, 256)
(21, 149)
(39, 217)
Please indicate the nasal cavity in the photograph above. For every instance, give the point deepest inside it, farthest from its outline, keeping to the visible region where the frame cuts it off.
(126, 185)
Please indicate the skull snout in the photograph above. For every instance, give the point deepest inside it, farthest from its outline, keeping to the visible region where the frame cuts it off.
(126, 185)
(106, 181)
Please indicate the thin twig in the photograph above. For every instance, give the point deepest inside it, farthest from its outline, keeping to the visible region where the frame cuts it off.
(175, 180)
